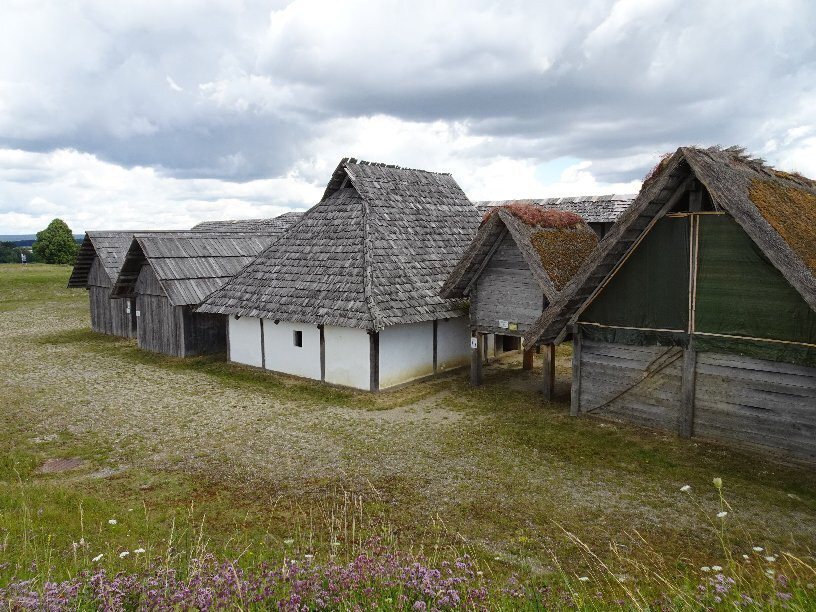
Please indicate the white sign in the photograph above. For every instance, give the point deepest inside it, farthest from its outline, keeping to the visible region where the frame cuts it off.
(474, 343)
(138, 313)
(128, 309)
(503, 324)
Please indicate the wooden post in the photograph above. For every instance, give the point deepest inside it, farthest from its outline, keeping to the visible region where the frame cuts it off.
(575, 399)
(435, 349)
(476, 358)
(687, 391)
(549, 372)
(374, 357)
(263, 348)
(322, 353)
(527, 359)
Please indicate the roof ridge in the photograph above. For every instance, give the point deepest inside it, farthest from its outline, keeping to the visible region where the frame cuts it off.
(361, 162)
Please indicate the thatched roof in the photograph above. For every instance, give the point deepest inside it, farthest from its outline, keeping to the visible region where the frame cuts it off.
(776, 209)
(276, 225)
(553, 243)
(374, 252)
(593, 209)
(109, 246)
(188, 265)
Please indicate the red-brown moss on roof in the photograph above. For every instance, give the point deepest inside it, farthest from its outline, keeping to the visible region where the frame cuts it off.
(537, 216)
(791, 212)
(563, 251)
(657, 169)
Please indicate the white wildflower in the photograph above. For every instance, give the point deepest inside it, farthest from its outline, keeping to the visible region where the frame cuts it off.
(289, 541)
(139, 551)
(111, 521)
(770, 559)
(722, 514)
(123, 554)
(308, 557)
(685, 488)
(97, 557)
(705, 568)
(82, 541)
(770, 572)
(758, 549)
(717, 483)
(584, 578)
(716, 568)
(745, 557)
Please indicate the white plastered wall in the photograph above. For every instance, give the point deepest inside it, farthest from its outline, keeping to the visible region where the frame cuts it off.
(452, 343)
(348, 360)
(283, 356)
(245, 340)
(406, 353)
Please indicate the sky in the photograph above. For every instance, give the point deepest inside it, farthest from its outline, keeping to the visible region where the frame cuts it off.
(163, 113)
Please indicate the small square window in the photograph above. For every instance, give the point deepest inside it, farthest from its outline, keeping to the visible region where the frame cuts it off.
(297, 337)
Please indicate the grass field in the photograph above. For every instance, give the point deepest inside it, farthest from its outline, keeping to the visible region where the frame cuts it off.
(198, 455)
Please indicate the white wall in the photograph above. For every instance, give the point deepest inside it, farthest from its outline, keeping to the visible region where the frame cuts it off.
(452, 343)
(406, 353)
(283, 356)
(347, 357)
(245, 340)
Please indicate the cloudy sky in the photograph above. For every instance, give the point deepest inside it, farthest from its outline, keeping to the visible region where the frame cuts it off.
(162, 113)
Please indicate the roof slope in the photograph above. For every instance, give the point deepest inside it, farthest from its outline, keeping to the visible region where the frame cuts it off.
(188, 265)
(374, 252)
(276, 225)
(593, 209)
(776, 209)
(554, 247)
(109, 246)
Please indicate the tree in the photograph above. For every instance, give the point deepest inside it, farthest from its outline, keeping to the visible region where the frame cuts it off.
(8, 252)
(56, 244)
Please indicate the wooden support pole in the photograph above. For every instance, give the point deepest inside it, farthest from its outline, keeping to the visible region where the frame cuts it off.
(527, 359)
(322, 331)
(549, 372)
(687, 391)
(374, 360)
(476, 351)
(575, 399)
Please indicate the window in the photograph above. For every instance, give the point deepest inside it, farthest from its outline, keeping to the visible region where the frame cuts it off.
(297, 337)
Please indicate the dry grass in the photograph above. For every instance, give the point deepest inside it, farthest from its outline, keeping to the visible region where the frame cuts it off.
(563, 251)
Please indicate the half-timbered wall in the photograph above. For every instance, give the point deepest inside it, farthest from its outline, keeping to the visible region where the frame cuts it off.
(506, 291)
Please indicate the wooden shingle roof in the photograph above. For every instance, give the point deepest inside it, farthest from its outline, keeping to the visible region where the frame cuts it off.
(776, 209)
(275, 225)
(188, 265)
(593, 209)
(109, 246)
(374, 252)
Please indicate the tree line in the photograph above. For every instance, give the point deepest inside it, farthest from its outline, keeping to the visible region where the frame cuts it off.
(54, 245)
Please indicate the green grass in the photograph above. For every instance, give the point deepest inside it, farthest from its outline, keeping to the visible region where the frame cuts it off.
(170, 444)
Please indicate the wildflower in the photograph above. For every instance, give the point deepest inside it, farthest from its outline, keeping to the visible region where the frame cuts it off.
(758, 549)
(97, 557)
(123, 554)
(717, 483)
(111, 521)
(770, 572)
(745, 557)
(82, 541)
(770, 558)
(289, 541)
(584, 578)
(705, 568)
(716, 568)
(308, 557)
(722, 514)
(685, 488)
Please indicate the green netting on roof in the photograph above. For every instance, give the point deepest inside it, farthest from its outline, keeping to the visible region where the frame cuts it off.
(740, 293)
(651, 288)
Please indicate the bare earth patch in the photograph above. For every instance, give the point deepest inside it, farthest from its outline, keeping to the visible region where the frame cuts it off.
(52, 466)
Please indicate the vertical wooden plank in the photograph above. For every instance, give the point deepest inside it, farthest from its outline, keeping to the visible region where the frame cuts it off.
(476, 359)
(322, 353)
(575, 399)
(687, 388)
(527, 359)
(263, 345)
(374, 356)
(549, 372)
(435, 351)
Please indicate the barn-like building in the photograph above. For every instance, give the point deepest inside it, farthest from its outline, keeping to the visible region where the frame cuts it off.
(350, 294)
(274, 225)
(697, 313)
(97, 266)
(520, 260)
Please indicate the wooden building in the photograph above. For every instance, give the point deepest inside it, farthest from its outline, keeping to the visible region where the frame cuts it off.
(600, 211)
(698, 311)
(97, 266)
(275, 225)
(350, 294)
(519, 262)
(169, 273)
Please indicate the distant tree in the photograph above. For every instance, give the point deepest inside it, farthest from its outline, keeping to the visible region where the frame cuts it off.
(56, 244)
(8, 252)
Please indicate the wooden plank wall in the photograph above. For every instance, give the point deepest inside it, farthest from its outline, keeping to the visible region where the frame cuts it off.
(161, 325)
(614, 385)
(107, 316)
(506, 290)
(756, 402)
(204, 333)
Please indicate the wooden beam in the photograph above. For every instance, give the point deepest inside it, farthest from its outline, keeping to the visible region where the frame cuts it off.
(435, 351)
(527, 359)
(263, 345)
(374, 364)
(476, 358)
(549, 372)
(687, 390)
(575, 399)
(322, 353)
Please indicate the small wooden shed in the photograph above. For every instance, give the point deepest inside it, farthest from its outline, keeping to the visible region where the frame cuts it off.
(97, 266)
(170, 273)
(698, 311)
(520, 260)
